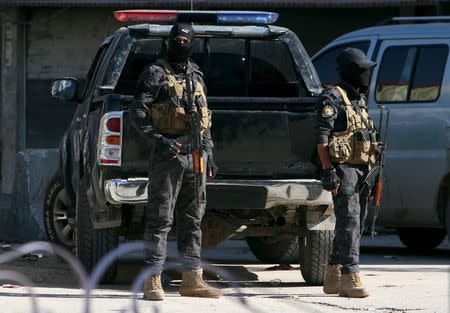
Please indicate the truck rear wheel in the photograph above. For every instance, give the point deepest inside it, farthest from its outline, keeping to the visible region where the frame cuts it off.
(56, 209)
(421, 238)
(282, 249)
(91, 245)
(315, 249)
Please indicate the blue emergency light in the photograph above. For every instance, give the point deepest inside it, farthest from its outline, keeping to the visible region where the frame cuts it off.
(200, 17)
(246, 17)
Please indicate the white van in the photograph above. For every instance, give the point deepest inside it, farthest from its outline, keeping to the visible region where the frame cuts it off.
(412, 80)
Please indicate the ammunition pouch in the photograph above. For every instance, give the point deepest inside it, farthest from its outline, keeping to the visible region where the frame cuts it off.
(354, 148)
(164, 117)
(362, 147)
(340, 149)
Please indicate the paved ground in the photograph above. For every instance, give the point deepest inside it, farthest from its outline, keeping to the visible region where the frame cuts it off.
(400, 280)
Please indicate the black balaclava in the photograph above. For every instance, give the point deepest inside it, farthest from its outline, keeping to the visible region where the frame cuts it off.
(179, 52)
(355, 68)
(359, 78)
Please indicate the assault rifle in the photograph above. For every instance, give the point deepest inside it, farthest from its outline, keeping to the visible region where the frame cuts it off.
(196, 138)
(375, 178)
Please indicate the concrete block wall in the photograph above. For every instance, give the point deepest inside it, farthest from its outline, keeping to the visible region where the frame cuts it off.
(34, 171)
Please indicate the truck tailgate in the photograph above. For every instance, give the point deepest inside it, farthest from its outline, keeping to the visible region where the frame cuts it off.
(253, 137)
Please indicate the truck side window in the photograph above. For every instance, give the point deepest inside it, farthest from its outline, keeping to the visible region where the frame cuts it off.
(143, 53)
(93, 71)
(411, 73)
(325, 63)
(117, 63)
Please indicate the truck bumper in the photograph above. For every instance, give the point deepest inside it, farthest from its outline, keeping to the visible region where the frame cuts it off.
(233, 194)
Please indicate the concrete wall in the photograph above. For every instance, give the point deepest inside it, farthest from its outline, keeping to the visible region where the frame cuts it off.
(11, 97)
(35, 169)
(60, 42)
(64, 41)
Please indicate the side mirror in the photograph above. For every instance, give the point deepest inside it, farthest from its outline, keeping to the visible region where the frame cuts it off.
(65, 89)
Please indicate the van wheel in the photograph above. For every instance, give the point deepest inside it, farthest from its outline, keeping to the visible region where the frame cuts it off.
(282, 249)
(56, 209)
(315, 250)
(421, 238)
(91, 244)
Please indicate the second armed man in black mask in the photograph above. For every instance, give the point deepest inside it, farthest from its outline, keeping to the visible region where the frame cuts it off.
(347, 148)
(160, 112)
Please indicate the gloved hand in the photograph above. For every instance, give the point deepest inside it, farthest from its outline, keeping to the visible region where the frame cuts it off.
(211, 168)
(168, 147)
(186, 149)
(330, 181)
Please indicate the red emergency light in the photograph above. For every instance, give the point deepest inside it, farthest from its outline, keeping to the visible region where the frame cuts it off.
(147, 16)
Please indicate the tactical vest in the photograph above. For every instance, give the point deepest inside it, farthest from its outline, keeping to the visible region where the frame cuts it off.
(170, 116)
(353, 145)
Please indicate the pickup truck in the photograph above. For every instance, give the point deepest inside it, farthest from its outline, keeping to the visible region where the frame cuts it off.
(262, 90)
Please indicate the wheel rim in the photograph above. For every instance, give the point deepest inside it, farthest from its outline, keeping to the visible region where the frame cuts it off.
(64, 230)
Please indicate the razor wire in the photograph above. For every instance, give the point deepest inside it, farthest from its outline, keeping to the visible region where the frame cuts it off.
(88, 283)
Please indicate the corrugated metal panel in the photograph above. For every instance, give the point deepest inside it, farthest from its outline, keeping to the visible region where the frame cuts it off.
(254, 4)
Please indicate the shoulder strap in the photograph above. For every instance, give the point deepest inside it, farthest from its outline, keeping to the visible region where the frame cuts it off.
(349, 103)
(165, 65)
(168, 69)
(343, 95)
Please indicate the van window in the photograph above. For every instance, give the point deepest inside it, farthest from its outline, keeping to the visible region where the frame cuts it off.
(429, 72)
(411, 73)
(325, 63)
(395, 74)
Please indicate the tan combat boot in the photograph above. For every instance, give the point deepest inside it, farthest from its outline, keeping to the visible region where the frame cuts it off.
(352, 287)
(193, 285)
(332, 278)
(153, 289)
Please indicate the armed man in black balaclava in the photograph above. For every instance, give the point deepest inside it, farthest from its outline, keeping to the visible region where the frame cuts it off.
(160, 113)
(346, 146)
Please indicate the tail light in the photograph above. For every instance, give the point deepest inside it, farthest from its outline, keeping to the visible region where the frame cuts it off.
(110, 139)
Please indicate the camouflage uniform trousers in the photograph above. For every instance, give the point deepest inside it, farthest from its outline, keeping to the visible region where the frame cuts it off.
(172, 189)
(350, 209)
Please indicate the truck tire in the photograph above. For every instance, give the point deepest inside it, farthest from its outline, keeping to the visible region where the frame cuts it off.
(315, 249)
(56, 206)
(91, 245)
(421, 238)
(282, 249)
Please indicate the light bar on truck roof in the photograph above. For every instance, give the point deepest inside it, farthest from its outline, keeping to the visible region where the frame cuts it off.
(201, 17)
